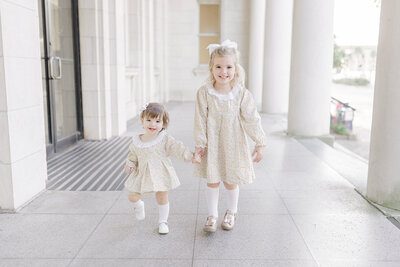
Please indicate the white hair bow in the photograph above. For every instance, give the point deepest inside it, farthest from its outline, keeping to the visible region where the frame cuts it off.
(226, 43)
(144, 107)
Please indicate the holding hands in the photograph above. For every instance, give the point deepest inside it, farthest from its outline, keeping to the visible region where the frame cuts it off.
(198, 155)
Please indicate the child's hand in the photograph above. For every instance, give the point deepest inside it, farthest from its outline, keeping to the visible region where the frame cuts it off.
(196, 158)
(128, 169)
(200, 151)
(259, 153)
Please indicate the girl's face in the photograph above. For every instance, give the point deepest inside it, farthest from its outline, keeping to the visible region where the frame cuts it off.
(223, 69)
(152, 125)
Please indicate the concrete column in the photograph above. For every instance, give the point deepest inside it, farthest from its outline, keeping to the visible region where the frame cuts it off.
(23, 168)
(95, 69)
(160, 49)
(311, 65)
(133, 60)
(147, 63)
(383, 186)
(150, 55)
(277, 45)
(256, 49)
(117, 53)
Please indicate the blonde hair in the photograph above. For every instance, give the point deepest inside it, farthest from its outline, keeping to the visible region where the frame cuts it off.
(155, 110)
(224, 51)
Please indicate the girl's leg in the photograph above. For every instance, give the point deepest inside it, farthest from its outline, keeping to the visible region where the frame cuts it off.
(233, 196)
(230, 216)
(134, 197)
(163, 211)
(212, 195)
(138, 205)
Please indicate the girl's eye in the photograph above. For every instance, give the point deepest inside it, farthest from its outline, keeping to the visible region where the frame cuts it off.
(158, 121)
(229, 67)
(218, 67)
(147, 120)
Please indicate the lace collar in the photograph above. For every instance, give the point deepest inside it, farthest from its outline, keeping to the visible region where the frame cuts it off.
(139, 143)
(225, 97)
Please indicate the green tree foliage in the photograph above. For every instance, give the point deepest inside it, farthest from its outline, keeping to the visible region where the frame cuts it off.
(338, 58)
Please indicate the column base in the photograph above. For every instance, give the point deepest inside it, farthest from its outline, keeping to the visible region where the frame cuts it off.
(327, 139)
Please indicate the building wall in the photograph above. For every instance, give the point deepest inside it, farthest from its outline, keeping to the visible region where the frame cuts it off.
(184, 72)
(22, 152)
(183, 45)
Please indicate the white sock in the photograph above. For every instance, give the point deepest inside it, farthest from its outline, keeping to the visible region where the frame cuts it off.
(138, 204)
(138, 207)
(212, 196)
(163, 212)
(233, 198)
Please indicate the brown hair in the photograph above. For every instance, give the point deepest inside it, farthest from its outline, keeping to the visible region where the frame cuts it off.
(155, 110)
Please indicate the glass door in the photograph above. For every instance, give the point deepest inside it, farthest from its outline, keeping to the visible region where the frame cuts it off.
(61, 81)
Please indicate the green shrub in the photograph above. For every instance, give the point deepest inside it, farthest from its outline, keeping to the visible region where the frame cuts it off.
(354, 81)
(339, 129)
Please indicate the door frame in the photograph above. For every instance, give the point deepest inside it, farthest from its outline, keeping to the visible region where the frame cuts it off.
(57, 145)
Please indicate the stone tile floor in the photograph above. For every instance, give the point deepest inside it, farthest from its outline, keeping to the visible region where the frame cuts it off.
(301, 211)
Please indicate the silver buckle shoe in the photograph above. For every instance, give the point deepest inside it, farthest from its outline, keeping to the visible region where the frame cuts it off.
(210, 225)
(229, 220)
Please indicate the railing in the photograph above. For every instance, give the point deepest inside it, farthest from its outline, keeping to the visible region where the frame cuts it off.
(342, 114)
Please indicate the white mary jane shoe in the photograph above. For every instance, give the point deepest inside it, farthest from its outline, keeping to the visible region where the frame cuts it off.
(163, 228)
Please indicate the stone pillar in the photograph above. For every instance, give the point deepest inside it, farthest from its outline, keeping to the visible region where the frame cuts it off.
(117, 60)
(160, 50)
(383, 186)
(256, 49)
(95, 69)
(147, 33)
(311, 66)
(23, 168)
(277, 45)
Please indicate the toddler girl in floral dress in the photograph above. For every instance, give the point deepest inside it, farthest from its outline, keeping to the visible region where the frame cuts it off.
(225, 112)
(149, 165)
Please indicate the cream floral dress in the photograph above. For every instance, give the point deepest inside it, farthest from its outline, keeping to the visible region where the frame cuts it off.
(221, 123)
(153, 170)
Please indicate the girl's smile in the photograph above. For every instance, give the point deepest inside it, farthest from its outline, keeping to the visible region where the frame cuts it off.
(223, 69)
(152, 125)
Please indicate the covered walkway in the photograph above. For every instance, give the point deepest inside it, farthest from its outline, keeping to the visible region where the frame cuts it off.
(301, 211)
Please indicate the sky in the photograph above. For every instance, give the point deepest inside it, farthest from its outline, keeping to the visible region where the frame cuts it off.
(356, 22)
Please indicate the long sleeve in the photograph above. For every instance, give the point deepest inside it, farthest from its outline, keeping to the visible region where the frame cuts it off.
(132, 160)
(178, 149)
(200, 119)
(251, 120)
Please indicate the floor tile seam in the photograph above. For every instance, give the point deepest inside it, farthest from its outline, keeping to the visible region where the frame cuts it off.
(44, 213)
(126, 258)
(298, 230)
(34, 258)
(209, 259)
(357, 260)
(195, 224)
(94, 230)
(205, 213)
(259, 259)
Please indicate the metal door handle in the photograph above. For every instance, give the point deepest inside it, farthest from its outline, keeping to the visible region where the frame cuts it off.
(52, 75)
